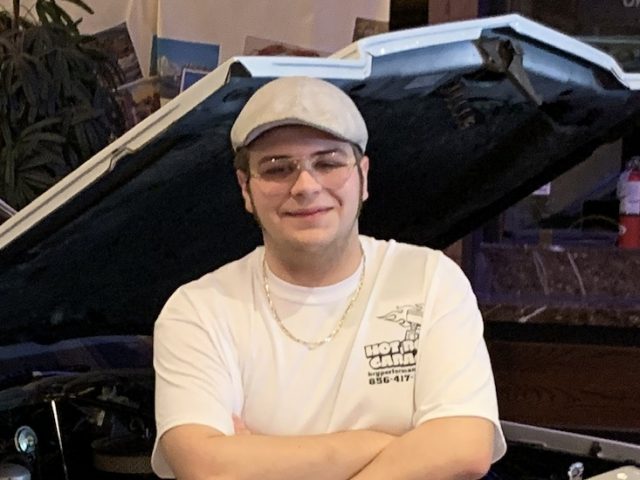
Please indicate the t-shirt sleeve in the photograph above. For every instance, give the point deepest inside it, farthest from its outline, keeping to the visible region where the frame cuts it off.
(453, 374)
(193, 373)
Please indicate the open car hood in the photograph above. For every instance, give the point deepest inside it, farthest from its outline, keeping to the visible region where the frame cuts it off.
(464, 119)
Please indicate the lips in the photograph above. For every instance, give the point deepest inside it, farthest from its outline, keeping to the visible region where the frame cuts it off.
(307, 212)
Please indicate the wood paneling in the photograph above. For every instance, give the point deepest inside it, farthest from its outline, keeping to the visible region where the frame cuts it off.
(441, 11)
(585, 387)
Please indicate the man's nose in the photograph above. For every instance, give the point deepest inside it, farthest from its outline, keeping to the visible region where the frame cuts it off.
(305, 182)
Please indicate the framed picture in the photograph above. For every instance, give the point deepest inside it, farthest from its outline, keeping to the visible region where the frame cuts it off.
(190, 76)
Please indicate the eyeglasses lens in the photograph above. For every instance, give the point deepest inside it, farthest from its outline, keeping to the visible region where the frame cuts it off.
(330, 170)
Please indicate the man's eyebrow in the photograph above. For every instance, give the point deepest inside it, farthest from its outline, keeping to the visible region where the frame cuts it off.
(268, 158)
(329, 150)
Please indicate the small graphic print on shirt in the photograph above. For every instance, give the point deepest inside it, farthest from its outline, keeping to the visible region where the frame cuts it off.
(394, 360)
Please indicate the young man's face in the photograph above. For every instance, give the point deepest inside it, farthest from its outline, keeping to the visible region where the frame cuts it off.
(308, 212)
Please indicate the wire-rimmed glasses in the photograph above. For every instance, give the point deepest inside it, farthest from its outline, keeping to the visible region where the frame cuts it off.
(277, 174)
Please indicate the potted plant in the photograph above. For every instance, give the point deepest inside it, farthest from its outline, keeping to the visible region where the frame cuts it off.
(57, 98)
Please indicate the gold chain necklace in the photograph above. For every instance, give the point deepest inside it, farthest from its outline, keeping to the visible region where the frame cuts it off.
(337, 328)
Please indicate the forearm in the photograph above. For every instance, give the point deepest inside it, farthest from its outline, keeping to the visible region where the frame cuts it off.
(332, 456)
(443, 449)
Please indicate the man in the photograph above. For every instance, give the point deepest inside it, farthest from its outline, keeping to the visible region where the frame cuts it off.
(324, 354)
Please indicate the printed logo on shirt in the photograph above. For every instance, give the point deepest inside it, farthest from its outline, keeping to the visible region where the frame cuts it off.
(394, 360)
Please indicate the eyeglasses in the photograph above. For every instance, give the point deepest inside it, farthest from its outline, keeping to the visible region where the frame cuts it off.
(330, 169)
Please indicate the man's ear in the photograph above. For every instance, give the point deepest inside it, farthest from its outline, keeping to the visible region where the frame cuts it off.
(243, 181)
(364, 168)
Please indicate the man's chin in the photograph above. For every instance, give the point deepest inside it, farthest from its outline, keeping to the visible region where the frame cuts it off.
(312, 242)
(318, 241)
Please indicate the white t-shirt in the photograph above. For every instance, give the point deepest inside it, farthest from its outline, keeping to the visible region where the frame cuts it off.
(411, 349)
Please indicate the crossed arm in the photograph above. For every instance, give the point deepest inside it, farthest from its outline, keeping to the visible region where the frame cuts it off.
(444, 448)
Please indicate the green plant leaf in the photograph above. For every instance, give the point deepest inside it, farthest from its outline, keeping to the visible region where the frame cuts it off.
(6, 74)
(6, 135)
(57, 104)
(50, 13)
(81, 115)
(38, 178)
(42, 160)
(5, 43)
(21, 195)
(42, 10)
(63, 16)
(47, 137)
(17, 110)
(82, 5)
(9, 162)
(44, 123)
